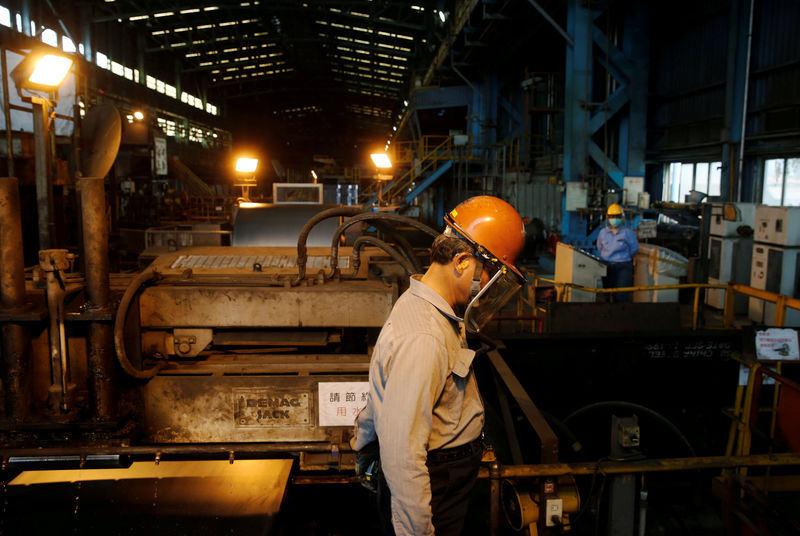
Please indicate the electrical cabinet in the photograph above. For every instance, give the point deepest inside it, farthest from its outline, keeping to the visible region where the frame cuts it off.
(774, 269)
(719, 226)
(729, 260)
(578, 267)
(778, 225)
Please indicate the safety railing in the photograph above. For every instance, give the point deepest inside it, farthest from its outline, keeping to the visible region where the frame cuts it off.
(731, 289)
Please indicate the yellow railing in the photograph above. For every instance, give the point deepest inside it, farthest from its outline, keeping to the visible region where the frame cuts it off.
(731, 289)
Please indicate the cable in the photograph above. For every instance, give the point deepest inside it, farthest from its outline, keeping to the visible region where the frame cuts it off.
(119, 327)
(366, 216)
(302, 252)
(639, 408)
(393, 253)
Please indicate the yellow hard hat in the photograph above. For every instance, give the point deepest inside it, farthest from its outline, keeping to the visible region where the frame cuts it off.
(614, 209)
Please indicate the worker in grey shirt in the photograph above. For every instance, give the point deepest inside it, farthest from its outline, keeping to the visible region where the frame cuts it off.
(424, 408)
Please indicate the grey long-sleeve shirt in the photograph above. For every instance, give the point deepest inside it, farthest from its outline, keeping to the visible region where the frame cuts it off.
(423, 396)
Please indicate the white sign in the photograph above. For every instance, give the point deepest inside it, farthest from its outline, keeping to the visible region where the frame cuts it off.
(160, 156)
(744, 374)
(777, 344)
(340, 402)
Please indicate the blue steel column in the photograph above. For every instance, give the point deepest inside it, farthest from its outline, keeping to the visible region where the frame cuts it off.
(633, 128)
(735, 90)
(576, 83)
(587, 114)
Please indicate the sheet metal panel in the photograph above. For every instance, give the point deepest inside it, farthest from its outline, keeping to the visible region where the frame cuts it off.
(191, 408)
(344, 304)
(280, 225)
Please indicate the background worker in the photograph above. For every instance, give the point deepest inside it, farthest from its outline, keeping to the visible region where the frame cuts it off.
(617, 245)
(424, 407)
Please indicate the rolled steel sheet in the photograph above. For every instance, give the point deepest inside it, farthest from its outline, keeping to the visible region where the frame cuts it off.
(280, 225)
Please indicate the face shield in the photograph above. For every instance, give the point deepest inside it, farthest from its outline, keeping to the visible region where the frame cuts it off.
(502, 285)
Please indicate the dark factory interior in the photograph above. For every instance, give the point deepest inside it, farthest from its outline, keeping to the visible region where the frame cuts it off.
(209, 210)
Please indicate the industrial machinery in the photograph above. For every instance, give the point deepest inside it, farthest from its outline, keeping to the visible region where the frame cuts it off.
(775, 264)
(730, 250)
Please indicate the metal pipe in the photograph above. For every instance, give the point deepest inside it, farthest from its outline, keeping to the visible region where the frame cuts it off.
(744, 101)
(102, 393)
(95, 239)
(494, 498)
(15, 365)
(643, 466)
(41, 152)
(7, 111)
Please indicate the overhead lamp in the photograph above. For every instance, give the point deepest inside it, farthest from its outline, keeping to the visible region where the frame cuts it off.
(381, 160)
(314, 174)
(246, 165)
(41, 71)
(138, 115)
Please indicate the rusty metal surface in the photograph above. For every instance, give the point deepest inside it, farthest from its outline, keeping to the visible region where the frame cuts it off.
(182, 409)
(95, 239)
(227, 364)
(12, 269)
(15, 360)
(344, 304)
(237, 260)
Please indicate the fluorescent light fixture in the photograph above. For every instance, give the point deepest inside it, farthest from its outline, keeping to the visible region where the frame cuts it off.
(314, 174)
(381, 160)
(246, 165)
(442, 16)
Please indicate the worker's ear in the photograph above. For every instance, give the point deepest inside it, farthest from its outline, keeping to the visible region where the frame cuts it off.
(462, 262)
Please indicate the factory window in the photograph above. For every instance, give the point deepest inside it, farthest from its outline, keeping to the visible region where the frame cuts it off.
(50, 37)
(680, 178)
(101, 60)
(117, 68)
(781, 182)
(160, 86)
(171, 91)
(67, 45)
(151, 82)
(5, 16)
(128, 73)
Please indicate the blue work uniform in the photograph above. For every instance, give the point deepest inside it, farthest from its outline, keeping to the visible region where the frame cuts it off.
(618, 250)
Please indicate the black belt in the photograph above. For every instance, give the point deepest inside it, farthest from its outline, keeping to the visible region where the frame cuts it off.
(456, 453)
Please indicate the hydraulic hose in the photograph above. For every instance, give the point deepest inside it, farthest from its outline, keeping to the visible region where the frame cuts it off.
(375, 216)
(393, 253)
(119, 327)
(403, 245)
(635, 407)
(302, 251)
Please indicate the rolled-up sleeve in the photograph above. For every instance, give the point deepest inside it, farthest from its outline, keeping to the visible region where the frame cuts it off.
(418, 372)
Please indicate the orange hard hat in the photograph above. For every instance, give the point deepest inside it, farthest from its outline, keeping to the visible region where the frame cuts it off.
(493, 225)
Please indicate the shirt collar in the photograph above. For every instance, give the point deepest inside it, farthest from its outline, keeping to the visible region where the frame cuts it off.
(421, 290)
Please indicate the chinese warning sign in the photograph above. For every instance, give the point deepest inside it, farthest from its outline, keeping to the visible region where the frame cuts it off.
(778, 344)
(340, 402)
